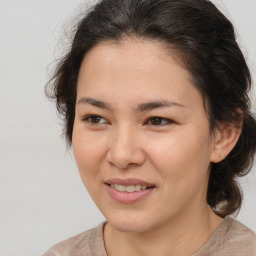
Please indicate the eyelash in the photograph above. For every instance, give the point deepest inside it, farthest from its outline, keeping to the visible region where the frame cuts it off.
(158, 119)
(89, 118)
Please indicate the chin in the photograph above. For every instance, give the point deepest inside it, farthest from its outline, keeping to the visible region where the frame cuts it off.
(133, 223)
(127, 226)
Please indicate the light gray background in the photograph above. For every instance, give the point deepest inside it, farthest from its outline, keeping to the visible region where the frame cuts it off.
(42, 199)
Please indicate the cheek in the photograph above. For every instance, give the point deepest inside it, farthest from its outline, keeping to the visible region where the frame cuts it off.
(182, 163)
(182, 155)
(88, 150)
(87, 153)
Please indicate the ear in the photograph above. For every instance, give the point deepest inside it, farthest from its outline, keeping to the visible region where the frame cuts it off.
(225, 139)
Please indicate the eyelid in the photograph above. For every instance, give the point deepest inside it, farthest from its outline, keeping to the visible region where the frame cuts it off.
(167, 121)
(87, 118)
(102, 121)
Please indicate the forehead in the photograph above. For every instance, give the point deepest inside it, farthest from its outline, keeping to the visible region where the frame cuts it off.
(135, 67)
(141, 52)
(132, 55)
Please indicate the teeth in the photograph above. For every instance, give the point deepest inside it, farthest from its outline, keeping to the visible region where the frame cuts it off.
(121, 188)
(129, 189)
(137, 187)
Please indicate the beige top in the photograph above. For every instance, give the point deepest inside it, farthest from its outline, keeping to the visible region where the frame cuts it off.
(231, 238)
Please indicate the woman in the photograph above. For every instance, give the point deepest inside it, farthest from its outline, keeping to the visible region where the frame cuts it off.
(155, 104)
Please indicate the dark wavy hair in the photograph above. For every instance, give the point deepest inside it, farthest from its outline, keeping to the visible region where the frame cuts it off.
(205, 42)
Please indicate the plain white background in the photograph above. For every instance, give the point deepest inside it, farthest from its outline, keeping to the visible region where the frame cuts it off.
(42, 199)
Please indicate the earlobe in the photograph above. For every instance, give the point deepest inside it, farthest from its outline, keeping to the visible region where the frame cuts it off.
(225, 139)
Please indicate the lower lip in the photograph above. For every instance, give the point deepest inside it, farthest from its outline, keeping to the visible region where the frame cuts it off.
(126, 197)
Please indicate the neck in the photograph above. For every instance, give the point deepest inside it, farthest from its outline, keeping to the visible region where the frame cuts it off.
(182, 236)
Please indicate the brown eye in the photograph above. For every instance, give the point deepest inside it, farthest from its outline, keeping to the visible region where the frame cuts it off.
(158, 121)
(94, 119)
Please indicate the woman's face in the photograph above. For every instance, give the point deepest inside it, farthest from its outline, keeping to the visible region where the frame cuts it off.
(140, 122)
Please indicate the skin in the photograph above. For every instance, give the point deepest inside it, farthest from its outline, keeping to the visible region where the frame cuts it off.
(123, 141)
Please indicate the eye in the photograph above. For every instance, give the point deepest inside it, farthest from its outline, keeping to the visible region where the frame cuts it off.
(159, 121)
(94, 119)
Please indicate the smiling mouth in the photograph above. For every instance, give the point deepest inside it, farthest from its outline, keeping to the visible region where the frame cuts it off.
(129, 191)
(130, 188)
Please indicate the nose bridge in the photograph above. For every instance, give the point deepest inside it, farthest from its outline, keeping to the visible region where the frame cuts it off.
(125, 134)
(126, 147)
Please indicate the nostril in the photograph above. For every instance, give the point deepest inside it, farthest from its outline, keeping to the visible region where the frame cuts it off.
(125, 158)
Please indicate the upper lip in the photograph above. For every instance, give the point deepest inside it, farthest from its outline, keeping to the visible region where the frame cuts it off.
(129, 182)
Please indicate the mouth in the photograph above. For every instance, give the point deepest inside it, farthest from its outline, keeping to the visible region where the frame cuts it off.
(130, 188)
(128, 191)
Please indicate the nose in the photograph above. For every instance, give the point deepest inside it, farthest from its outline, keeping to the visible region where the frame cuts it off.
(126, 149)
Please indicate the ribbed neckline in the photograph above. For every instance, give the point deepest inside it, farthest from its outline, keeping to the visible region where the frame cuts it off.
(217, 235)
(97, 241)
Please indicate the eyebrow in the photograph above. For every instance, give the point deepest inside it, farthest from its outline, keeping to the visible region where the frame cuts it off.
(94, 102)
(157, 104)
(140, 108)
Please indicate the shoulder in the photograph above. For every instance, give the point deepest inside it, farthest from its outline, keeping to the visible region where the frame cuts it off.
(87, 243)
(230, 238)
(241, 238)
